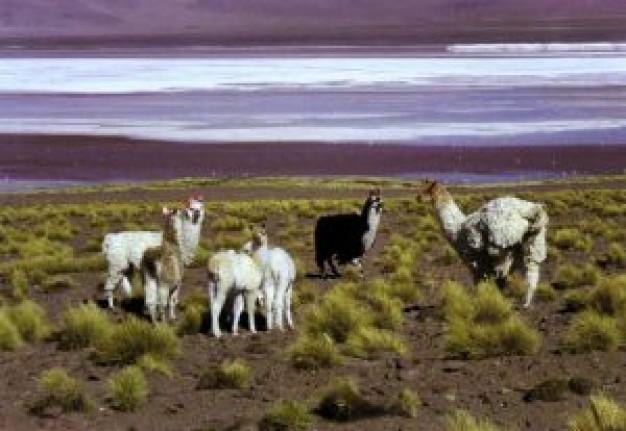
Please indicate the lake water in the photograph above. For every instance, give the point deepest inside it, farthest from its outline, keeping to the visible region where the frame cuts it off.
(562, 98)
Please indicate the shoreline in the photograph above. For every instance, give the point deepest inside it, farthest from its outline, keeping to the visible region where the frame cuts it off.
(102, 159)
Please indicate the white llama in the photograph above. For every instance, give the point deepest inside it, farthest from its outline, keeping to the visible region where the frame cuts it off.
(124, 250)
(503, 235)
(279, 274)
(237, 274)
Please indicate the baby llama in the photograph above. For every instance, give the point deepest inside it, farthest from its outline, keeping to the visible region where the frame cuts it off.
(162, 271)
(124, 250)
(279, 274)
(504, 234)
(347, 237)
(233, 274)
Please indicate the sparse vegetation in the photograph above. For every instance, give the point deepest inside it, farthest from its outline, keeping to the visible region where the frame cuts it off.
(128, 388)
(286, 416)
(603, 414)
(461, 420)
(406, 403)
(83, 326)
(229, 375)
(484, 325)
(342, 401)
(30, 320)
(62, 390)
(10, 338)
(133, 338)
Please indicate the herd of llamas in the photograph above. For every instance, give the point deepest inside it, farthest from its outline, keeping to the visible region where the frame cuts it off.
(503, 235)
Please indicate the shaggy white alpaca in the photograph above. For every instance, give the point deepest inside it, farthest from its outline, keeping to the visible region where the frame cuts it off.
(279, 274)
(232, 273)
(503, 235)
(162, 271)
(124, 250)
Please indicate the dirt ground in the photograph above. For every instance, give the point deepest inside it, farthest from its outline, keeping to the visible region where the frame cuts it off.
(490, 388)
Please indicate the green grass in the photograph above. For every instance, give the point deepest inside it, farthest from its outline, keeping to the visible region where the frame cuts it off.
(133, 338)
(603, 414)
(83, 326)
(589, 331)
(286, 416)
(406, 403)
(30, 320)
(10, 338)
(569, 276)
(234, 374)
(128, 389)
(62, 390)
(311, 352)
(484, 325)
(609, 296)
(460, 420)
(19, 284)
(372, 342)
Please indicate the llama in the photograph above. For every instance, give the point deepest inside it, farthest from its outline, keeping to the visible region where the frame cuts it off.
(162, 271)
(124, 250)
(279, 274)
(347, 237)
(505, 234)
(232, 273)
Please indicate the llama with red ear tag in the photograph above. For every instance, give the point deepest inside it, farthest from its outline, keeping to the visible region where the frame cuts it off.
(124, 251)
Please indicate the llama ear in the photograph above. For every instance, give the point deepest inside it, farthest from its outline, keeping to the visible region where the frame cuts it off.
(166, 211)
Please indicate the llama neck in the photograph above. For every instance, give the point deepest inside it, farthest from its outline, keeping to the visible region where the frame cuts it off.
(373, 220)
(450, 216)
(260, 253)
(188, 237)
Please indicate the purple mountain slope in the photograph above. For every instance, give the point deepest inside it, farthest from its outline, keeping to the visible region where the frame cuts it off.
(310, 21)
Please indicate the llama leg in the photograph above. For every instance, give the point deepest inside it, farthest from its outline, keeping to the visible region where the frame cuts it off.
(173, 301)
(532, 278)
(269, 305)
(237, 309)
(251, 297)
(279, 304)
(333, 267)
(151, 297)
(113, 279)
(217, 302)
(288, 305)
(162, 301)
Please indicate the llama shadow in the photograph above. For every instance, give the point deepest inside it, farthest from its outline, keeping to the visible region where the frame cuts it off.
(318, 276)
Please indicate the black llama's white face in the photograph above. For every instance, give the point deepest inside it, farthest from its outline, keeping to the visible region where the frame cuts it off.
(194, 209)
(374, 202)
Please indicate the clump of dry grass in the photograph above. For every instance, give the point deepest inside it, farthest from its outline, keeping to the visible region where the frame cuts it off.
(590, 331)
(83, 326)
(406, 403)
(342, 401)
(10, 338)
(484, 325)
(229, 375)
(30, 320)
(286, 416)
(603, 414)
(128, 389)
(314, 352)
(60, 389)
(460, 420)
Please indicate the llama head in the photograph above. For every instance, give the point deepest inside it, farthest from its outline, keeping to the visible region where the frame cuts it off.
(373, 204)
(433, 189)
(168, 221)
(259, 235)
(194, 209)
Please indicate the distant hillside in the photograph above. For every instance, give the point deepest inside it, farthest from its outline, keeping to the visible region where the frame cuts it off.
(309, 21)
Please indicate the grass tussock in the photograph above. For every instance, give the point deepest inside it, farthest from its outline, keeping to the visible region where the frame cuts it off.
(30, 320)
(371, 342)
(193, 318)
(590, 331)
(83, 326)
(58, 283)
(311, 352)
(484, 325)
(572, 239)
(286, 416)
(609, 297)
(229, 375)
(128, 389)
(460, 420)
(133, 338)
(10, 338)
(62, 390)
(603, 414)
(342, 401)
(570, 276)
(150, 363)
(406, 404)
